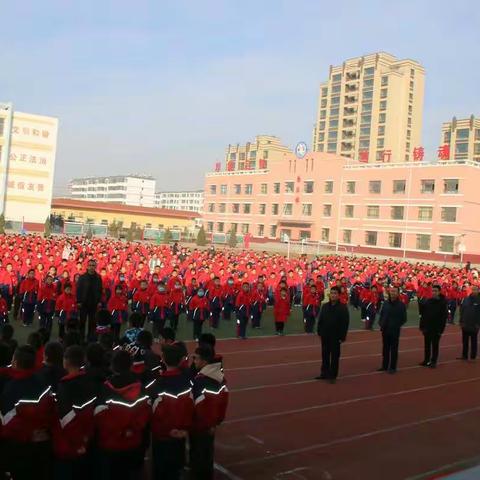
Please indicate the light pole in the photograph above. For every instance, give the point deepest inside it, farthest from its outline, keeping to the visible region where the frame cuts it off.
(5, 153)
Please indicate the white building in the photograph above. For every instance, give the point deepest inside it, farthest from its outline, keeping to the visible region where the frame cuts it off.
(125, 189)
(28, 145)
(190, 201)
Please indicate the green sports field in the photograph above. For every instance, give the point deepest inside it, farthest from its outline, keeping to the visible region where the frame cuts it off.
(227, 329)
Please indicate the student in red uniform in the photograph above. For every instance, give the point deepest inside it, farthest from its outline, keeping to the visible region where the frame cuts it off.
(118, 308)
(172, 404)
(215, 297)
(200, 308)
(66, 310)
(28, 292)
(372, 300)
(281, 311)
(243, 305)
(177, 303)
(159, 309)
(311, 307)
(122, 416)
(73, 430)
(27, 410)
(46, 304)
(210, 395)
(141, 301)
(229, 296)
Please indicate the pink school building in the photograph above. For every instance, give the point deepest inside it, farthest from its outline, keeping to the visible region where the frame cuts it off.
(417, 210)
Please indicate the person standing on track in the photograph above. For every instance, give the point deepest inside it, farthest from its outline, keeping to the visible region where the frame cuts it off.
(432, 325)
(470, 323)
(392, 317)
(332, 328)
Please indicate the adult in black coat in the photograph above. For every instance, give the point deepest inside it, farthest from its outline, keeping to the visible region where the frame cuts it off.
(89, 295)
(470, 323)
(432, 325)
(332, 328)
(392, 318)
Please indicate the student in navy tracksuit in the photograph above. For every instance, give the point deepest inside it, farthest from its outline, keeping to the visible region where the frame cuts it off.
(122, 416)
(210, 395)
(243, 307)
(172, 404)
(73, 429)
(46, 304)
(27, 410)
(28, 292)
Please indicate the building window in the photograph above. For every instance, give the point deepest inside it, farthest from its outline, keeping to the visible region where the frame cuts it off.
(350, 187)
(220, 227)
(325, 234)
(324, 92)
(209, 227)
(321, 126)
(260, 230)
(395, 240)
(307, 209)
(213, 189)
(449, 214)
(222, 207)
(327, 210)
(337, 77)
(236, 208)
(382, 117)
(305, 235)
(211, 207)
(273, 231)
(276, 187)
(308, 187)
(369, 71)
(264, 189)
(397, 212)
(223, 189)
(423, 242)
(347, 236)
(461, 148)
(289, 187)
(380, 143)
(371, 238)
(368, 83)
(288, 209)
(323, 103)
(428, 186)
(247, 207)
(237, 188)
(375, 186)
(365, 131)
(425, 214)
(462, 133)
(399, 186)
(349, 211)
(365, 120)
(373, 211)
(274, 208)
(245, 228)
(262, 209)
(447, 243)
(331, 147)
(329, 186)
(323, 114)
(383, 105)
(450, 185)
(248, 189)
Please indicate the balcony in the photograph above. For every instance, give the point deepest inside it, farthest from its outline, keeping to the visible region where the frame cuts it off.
(347, 111)
(349, 123)
(351, 87)
(346, 146)
(352, 76)
(349, 99)
(347, 135)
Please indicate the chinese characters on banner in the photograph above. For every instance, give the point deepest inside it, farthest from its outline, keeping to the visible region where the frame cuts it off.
(444, 152)
(262, 164)
(27, 186)
(363, 154)
(34, 132)
(24, 158)
(418, 154)
(230, 166)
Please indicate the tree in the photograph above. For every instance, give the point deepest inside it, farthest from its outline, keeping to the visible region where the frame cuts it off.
(2, 224)
(131, 233)
(201, 237)
(113, 229)
(232, 238)
(48, 228)
(89, 232)
(167, 237)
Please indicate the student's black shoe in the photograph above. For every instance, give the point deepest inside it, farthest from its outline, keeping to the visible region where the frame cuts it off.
(381, 369)
(423, 364)
(432, 365)
(392, 371)
(321, 377)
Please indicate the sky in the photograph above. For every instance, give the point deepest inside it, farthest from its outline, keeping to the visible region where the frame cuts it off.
(162, 87)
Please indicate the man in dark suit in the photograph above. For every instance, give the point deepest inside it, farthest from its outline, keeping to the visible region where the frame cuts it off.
(332, 328)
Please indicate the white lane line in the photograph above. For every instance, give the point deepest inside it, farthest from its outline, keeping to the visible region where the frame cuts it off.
(256, 440)
(224, 471)
(360, 436)
(349, 401)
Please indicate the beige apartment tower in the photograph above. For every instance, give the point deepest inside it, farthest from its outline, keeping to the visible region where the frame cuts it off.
(370, 109)
(463, 138)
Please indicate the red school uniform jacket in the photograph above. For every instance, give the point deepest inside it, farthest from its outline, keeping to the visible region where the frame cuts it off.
(176, 299)
(200, 307)
(281, 309)
(141, 301)
(117, 303)
(67, 303)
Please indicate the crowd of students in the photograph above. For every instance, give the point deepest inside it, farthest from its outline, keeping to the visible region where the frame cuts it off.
(76, 411)
(92, 402)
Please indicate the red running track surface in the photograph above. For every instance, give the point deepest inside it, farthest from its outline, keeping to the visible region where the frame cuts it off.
(284, 425)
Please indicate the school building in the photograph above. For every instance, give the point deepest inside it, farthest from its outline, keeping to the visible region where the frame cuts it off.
(415, 209)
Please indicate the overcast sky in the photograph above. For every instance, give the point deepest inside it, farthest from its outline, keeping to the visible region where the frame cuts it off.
(161, 87)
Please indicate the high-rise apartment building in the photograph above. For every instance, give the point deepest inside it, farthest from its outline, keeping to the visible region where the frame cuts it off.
(191, 201)
(462, 136)
(370, 109)
(126, 189)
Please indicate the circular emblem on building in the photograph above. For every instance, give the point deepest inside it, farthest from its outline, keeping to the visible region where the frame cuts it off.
(301, 149)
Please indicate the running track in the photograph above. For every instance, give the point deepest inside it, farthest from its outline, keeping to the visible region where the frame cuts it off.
(283, 425)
